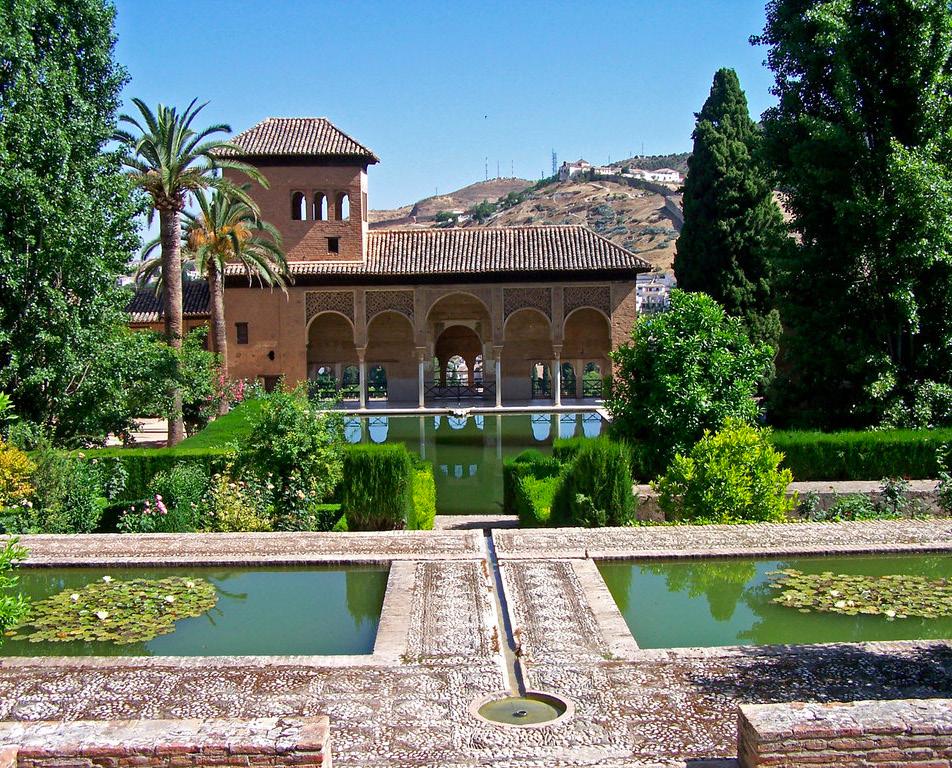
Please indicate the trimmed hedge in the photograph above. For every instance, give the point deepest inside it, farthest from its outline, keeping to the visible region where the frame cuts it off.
(424, 498)
(529, 463)
(596, 490)
(532, 499)
(377, 488)
(142, 464)
(229, 429)
(870, 455)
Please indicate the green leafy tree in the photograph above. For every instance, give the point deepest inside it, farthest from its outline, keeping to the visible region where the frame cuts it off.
(733, 230)
(67, 215)
(482, 211)
(861, 139)
(172, 161)
(685, 370)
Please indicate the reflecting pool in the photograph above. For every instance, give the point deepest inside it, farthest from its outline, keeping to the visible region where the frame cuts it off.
(703, 603)
(467, 452)
(260, 611)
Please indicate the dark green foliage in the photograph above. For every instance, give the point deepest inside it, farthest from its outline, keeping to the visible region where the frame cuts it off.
(684, 371)
(142, 464)
(66, 216)
(377, 487)
(293, 456)
(482, 211)
(861, 138)
(596, 490)
(733, 230)
(861, 455)
(72, 492)
(182, 491)
(565, 448)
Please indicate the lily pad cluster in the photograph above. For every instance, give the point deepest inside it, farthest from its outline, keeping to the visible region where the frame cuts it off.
(113, 611)
(891, 596)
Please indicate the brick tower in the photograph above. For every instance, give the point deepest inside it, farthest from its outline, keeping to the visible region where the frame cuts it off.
(317, 197)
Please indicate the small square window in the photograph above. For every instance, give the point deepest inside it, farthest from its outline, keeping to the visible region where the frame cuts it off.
(333, 245)
(241, 332)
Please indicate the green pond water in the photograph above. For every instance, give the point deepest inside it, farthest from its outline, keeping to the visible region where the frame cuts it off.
(260, 612)
(705, 603)
(467, 453)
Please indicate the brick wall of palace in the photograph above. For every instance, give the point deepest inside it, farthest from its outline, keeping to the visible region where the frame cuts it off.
(395, 325)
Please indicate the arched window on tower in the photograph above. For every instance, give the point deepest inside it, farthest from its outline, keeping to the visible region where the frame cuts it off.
(343, 206)
(319, 207)
(298, 206)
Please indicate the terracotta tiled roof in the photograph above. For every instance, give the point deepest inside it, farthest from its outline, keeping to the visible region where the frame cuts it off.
(146, 307)
(298, 137)
(479, 251)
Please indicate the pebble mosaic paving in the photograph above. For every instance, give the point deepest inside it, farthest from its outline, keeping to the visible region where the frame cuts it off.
(633, 708)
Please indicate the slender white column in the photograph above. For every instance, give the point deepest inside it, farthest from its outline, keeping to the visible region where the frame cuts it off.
(498, 380)
(421, 384)
(363, 378)
(557, 381)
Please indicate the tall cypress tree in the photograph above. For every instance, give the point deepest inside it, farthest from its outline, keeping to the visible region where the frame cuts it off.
(733, 230)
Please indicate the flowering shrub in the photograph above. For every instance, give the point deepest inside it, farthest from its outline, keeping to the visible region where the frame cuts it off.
(236, 505)
(69, 494)
(15, 471)
(292, 461)
(148, 516)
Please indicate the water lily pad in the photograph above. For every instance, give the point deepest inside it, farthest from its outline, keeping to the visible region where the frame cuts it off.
(892, 597)
(120, 612)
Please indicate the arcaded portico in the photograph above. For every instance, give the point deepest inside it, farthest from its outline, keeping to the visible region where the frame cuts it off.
(418, 316)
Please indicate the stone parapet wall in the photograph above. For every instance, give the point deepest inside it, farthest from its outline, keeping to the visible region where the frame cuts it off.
(908, 732)
(262, 742)
(922, 494)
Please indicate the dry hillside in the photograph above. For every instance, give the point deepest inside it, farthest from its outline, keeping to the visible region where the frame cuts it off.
(422, 212)
(632, 216)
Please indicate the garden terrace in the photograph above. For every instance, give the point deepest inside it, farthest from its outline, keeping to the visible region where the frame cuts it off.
(407, 704)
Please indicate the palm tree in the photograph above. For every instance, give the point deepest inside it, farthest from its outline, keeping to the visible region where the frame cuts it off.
(171, 161)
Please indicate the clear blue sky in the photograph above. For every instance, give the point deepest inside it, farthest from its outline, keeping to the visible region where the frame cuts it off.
(434, 88)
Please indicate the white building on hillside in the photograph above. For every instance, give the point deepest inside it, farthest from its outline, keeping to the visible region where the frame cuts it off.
(568, 170)
(653, 291)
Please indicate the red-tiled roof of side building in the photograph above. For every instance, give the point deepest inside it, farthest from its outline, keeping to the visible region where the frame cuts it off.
(298, 137)
(478, 251)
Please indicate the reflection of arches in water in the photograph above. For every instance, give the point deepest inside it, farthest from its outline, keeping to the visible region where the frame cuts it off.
(479, 421)
(437, 420)
(591, 424)
(353, 430)
(456, 422)
(473, 468)
(567, 424)
(458, 471)
(377, 427)
(541, 426)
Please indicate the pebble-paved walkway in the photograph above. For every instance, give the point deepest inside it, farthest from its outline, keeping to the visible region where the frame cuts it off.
(633, 708)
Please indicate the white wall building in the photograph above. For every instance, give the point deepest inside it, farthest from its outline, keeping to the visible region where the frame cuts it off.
(568, 170)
